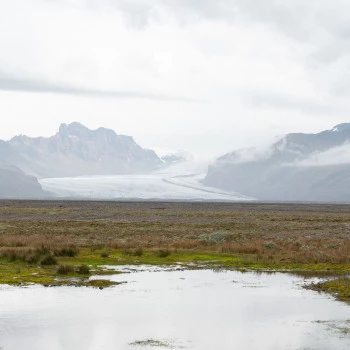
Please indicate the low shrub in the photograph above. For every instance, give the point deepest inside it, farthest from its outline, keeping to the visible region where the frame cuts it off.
(104, 254)
(215, 237)
(13, 254)
(138, 252)
(163, 253)
(269, 245)
(25, 254)
(43, 250)
(32, 258)
(65, 269)
(83, 269)
(48, 260)
(236, 248)
(70, 251)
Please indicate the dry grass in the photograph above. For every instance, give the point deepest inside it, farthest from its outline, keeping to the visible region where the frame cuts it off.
(273, 233)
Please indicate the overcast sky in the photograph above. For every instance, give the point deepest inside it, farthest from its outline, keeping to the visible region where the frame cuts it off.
(206, 76)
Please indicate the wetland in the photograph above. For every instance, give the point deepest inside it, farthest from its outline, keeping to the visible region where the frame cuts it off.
(186, 274)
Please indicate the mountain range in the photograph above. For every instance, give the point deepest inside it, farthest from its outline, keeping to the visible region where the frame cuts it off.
(298, 167)
(76, 150)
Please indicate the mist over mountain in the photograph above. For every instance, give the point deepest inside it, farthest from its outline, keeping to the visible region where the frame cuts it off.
(16, 184)
(76, 150)
(308, 167)
(176, 158)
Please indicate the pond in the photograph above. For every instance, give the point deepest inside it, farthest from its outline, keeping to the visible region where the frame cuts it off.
(162, 309)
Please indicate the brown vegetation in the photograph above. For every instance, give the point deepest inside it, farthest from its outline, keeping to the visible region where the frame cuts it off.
(267, 233)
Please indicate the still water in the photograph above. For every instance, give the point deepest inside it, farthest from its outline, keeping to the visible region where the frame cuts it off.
(160, 309)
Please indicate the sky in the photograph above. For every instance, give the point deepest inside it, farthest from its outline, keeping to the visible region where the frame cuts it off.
(205, 76)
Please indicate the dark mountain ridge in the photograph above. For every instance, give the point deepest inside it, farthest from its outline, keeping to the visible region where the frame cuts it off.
(306, 167)
(15, 184)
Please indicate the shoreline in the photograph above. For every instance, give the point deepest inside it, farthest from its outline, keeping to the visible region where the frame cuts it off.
(312, 239)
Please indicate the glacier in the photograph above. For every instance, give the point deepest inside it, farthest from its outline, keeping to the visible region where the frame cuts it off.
(178, 182)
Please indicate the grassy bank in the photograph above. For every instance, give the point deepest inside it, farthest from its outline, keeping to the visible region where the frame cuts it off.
(47, 241)
(75, 270)
(339, 287)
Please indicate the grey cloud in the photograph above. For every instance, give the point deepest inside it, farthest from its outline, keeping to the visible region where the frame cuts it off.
(222, 9)
(138, 13)
(11, 83)
(292, 17)
(341, 87)
(331, 52)
(266, 100)
(142, 12)
(319, 33)
(313, 22)
(296, 18)
(323, 24)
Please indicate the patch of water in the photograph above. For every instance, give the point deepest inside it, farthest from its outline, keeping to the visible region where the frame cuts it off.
(190, 309)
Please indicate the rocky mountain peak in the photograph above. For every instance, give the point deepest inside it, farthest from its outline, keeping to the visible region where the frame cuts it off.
(73, 129)
(76, 150)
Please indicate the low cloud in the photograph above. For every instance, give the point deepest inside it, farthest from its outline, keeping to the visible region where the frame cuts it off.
(8, 83)
(246, 155)
(269, 100)
(334, 156)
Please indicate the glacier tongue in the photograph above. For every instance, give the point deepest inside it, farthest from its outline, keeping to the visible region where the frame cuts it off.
(170, 184)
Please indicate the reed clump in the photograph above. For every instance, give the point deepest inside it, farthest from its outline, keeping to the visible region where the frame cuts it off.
(83, 270)
(48, 259)
(163, 253)
(45, 254)
(65, 269)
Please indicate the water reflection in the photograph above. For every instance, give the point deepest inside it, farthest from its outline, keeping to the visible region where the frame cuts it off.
(179, 309)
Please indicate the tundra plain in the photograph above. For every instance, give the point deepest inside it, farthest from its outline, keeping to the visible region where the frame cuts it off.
(63, 242)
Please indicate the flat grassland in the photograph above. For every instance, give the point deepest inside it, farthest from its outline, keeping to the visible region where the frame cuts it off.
(54, 242)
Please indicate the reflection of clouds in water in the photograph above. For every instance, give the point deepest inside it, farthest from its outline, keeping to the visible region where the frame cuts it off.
(160, 343)
(201, 309)
(340, 327)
